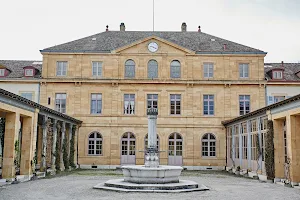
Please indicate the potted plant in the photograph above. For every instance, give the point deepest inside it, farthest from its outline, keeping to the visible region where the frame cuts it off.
(237, 172)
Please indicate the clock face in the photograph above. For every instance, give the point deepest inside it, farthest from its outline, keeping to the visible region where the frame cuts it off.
(152, 46)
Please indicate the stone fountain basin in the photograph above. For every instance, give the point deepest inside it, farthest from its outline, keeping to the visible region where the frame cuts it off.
(147, 175)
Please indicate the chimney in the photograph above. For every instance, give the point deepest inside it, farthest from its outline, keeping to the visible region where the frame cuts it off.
(199, 29)
(183, 27)
(225, 47)
(282, 64)
(106, 27)
(122, 27)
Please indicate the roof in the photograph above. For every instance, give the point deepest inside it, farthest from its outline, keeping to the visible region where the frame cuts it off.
(16, 68)
(111, 40)
(262, 110)
(36, 105)
(289, 71)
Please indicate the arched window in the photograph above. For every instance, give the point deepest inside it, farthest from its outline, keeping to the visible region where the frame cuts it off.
(95, 144)
(175, 71)
(129, 69)
(152, 69)
(209, 145)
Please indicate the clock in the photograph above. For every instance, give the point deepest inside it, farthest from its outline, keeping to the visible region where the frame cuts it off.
(152, 47)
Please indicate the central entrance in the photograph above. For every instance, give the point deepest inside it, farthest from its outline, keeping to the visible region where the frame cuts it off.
(128, 149)
(175, 149)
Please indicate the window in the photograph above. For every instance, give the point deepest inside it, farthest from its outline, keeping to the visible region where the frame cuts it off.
(244, 146)
(96, 104)
(208, 70)
(208, 145)
(2, 72)
(152, 100)
(27, 95)
(244, 104)
(61, 68)
(208, 104)
(236, 140)
(28, 72)
(152, 69)
(129, 69)
(278, 98)
(129, 104)
(175, 69)
(175, 104)
(95, 144)
(60, 102)
(253, 124)
(97, 68)
(277, 74)
(244, 70)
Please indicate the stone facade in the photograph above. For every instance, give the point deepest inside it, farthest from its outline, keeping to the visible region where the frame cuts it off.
(191, 124)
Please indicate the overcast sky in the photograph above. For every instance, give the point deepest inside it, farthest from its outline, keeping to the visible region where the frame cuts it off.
(269, 25)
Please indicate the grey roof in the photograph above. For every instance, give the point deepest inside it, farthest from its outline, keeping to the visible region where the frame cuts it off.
(262, 110)
(16, 68)
(289, 71)
(110, 40)
(30, 103)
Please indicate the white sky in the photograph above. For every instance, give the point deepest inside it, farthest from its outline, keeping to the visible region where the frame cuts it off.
(269, 25)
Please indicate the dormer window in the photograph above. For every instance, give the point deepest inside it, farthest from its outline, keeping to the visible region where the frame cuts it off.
(277, 74)
(28, 72)
(2, 72)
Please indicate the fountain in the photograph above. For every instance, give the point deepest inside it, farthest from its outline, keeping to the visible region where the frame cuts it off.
(151, 177)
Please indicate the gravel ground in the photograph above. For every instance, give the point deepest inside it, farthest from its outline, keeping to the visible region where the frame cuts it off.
(78, 185)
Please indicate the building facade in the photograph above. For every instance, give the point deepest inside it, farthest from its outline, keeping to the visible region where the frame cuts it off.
(196, 81)
(283, 81)
(21, 78)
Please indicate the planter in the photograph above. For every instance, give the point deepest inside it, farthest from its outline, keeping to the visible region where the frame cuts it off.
(237, 173)
(252, 174)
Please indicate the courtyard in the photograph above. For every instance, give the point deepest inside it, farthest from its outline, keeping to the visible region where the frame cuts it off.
(79, 185)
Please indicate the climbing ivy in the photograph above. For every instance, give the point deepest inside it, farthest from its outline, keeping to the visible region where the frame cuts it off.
(269, 151)
(65, 154)
(57, 150)
(72, 149)
(2, 130)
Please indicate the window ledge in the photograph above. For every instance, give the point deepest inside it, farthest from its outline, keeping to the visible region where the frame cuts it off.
(209, 157)
(94, 155)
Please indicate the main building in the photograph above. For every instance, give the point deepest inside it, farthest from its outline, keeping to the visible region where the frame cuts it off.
(196, 81)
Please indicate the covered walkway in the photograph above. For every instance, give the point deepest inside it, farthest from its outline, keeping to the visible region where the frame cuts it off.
(34, 137)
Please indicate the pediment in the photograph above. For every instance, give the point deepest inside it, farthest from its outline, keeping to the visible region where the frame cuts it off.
(164, 47)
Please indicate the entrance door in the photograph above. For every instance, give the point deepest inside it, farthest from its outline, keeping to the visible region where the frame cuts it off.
(128, 149)
(175, 149)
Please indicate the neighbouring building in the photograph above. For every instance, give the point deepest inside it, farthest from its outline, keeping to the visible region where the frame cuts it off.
(21, 77)
(248, 141)
(283, 81)
(196, 81)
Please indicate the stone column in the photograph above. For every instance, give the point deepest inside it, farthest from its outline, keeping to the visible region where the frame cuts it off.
(76, 132)
(293, 150)
(39, 145)
(63, 132)
(152, 159)
(11, 132)
(279, 148)
(70, 137)
(27, 144)
(44, 147)
(233, 145)
(54, 144)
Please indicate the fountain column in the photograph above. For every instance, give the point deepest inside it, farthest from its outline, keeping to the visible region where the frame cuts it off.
(152, 159)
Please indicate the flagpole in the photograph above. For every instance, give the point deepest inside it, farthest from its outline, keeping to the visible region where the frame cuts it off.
(153, 15)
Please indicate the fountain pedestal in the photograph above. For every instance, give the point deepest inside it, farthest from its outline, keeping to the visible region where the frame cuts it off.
(151, 177)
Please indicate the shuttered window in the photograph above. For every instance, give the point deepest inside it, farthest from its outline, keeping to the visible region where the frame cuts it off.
(175, 71)
(152, 69)
(129, 69)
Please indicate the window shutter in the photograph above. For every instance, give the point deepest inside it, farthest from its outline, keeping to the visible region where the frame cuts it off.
(270, 100)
